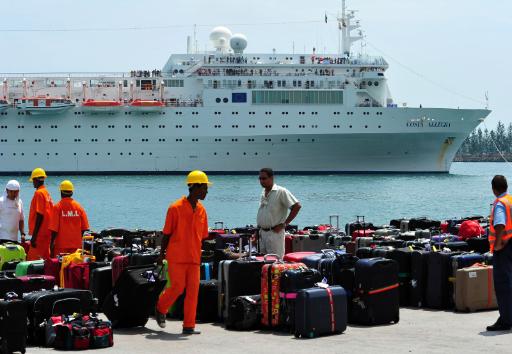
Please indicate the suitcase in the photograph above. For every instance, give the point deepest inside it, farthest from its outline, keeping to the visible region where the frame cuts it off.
(293, 280)
(390, 243)
(364, 252)
(244, 313)
(207, 271)
(52, 267)
(396, 223)
(207, 301)
(100, 284)
(236, 278)
(386, 232)
(76, 276)
(36, 282)
(30, 267)
(423, 223)
(43, 304)
(320, 311)
(270, 285)
(376, 298)
(308, 243)
(474, 289)
(453, 246)
(134, 296)
(13, 326)
(297, 256)
(9, 283)
(404, 225)
(465, 260)
(359, 224)
(119, 263)
(364, 242)
(488, 258)
(403, 257)
(478, 244)
(419, 267)
(333, 270)
(140, 259)
(439, 289)
(312, 261)
(9, 252)
(362, 233)
(223, 241)
(406, 236)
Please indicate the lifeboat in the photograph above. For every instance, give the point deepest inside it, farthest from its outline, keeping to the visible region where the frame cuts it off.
(44, 105)
(3, 105)
(101, 106)
(146, 106)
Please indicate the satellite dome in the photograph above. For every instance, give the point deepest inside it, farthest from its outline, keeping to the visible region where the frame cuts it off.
(238, 43)
(220, 37)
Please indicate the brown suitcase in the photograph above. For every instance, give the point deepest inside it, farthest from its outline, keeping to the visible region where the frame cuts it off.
(474, 289)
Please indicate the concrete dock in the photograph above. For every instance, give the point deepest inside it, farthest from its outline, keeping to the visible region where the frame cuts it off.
(419, 331)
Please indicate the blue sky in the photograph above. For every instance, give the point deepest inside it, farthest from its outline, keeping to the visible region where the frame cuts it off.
(461, 45)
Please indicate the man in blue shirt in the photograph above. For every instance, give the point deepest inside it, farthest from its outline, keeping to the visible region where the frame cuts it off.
(500, 232)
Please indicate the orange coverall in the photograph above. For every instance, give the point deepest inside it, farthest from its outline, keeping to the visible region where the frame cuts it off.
(41, 204)
(186, 228)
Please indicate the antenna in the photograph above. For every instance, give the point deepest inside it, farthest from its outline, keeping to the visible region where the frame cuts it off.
(486, 99)
(195, 40)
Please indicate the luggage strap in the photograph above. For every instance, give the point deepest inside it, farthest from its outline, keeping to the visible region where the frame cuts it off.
(287, 295)
(381, 290)
(331, 303)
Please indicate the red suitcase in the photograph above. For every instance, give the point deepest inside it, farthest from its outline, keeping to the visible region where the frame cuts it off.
(270, 282)
(118, 265)
(31, 283)
(288, 243)
(52, 268)
(362, 233)
(76, 276)
(296, 256)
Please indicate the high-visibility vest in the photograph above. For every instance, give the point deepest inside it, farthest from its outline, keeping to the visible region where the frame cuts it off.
(506, 200)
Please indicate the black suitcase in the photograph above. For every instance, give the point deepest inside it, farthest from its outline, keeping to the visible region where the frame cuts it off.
(364, 252)
(376, 299)
(332, 269)
(13, 326)
(134, 296)
(41, 305)
(423, 223)
(9, 283)
(359, 224)
(320, 311)
(35, 268)
(100, 284)
(236, 278)
(142, 259)
(488, 258)
(390, 243)
(439, 270)
(244, 313)
(478, 244)
(207, 303)
(419, 267)
(396, 223)
(403, 257)
(10, 266)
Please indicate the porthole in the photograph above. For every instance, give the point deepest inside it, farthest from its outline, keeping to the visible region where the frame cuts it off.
(217, 100)
(225, 100)
(370, 83)
(366, 126)
(376, 83)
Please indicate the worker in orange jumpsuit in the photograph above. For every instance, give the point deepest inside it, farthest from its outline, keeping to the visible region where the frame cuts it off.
(186, 225)
(68, 222)
(39, 217)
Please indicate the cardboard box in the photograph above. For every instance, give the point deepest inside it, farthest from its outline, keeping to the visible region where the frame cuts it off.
(474, 289)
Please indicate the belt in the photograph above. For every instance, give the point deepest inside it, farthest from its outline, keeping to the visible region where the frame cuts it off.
(267, 229)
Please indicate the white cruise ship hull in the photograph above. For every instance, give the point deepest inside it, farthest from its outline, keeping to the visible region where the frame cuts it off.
(372, 140)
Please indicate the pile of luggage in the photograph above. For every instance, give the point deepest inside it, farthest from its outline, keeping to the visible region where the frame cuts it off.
(55, 302)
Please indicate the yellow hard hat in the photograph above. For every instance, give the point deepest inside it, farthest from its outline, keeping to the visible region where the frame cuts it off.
(37, 173)
(198, 177)
(66, 186)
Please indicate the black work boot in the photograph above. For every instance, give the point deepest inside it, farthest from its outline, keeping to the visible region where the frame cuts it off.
(498, 326)
(187, 331)
(161, 318)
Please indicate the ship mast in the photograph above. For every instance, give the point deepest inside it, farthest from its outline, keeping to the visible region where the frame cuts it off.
(345, 26)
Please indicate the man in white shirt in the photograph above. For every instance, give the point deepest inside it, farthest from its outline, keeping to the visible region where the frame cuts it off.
(12, 219)
(273, 216)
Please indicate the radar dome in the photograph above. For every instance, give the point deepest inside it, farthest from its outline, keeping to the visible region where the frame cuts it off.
(238, 43)
(220, 37)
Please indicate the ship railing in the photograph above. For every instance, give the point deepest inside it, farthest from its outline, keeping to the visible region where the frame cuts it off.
(275, 87)
(65, 75)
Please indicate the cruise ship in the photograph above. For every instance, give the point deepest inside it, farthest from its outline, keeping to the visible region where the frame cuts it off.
(227, 111)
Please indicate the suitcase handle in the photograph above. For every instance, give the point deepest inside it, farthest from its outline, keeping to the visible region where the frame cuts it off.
(270, 255)
(337, 218)
(219, 225)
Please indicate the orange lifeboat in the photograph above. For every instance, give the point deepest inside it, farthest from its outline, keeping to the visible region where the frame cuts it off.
(146, 106)
(108, 106)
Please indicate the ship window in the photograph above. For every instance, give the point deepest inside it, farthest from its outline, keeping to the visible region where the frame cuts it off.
(350, 126)
(366, 126)
(380, 126)
(376, 83)
(238, 97)
(225, 100)
(217, 100)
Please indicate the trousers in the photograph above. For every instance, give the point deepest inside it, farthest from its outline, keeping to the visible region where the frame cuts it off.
(182, 276)
(502, 271)
(272, 243)
(42, 251)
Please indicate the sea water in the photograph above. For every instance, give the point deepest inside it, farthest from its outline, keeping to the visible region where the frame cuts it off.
(141, 201)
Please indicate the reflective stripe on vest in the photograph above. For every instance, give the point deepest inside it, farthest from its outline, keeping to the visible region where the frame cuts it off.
(507, 232)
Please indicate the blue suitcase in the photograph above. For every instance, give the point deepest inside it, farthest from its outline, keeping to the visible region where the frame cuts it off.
(320, 311)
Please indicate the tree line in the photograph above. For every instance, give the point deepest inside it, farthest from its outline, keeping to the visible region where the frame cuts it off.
(481, 144)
